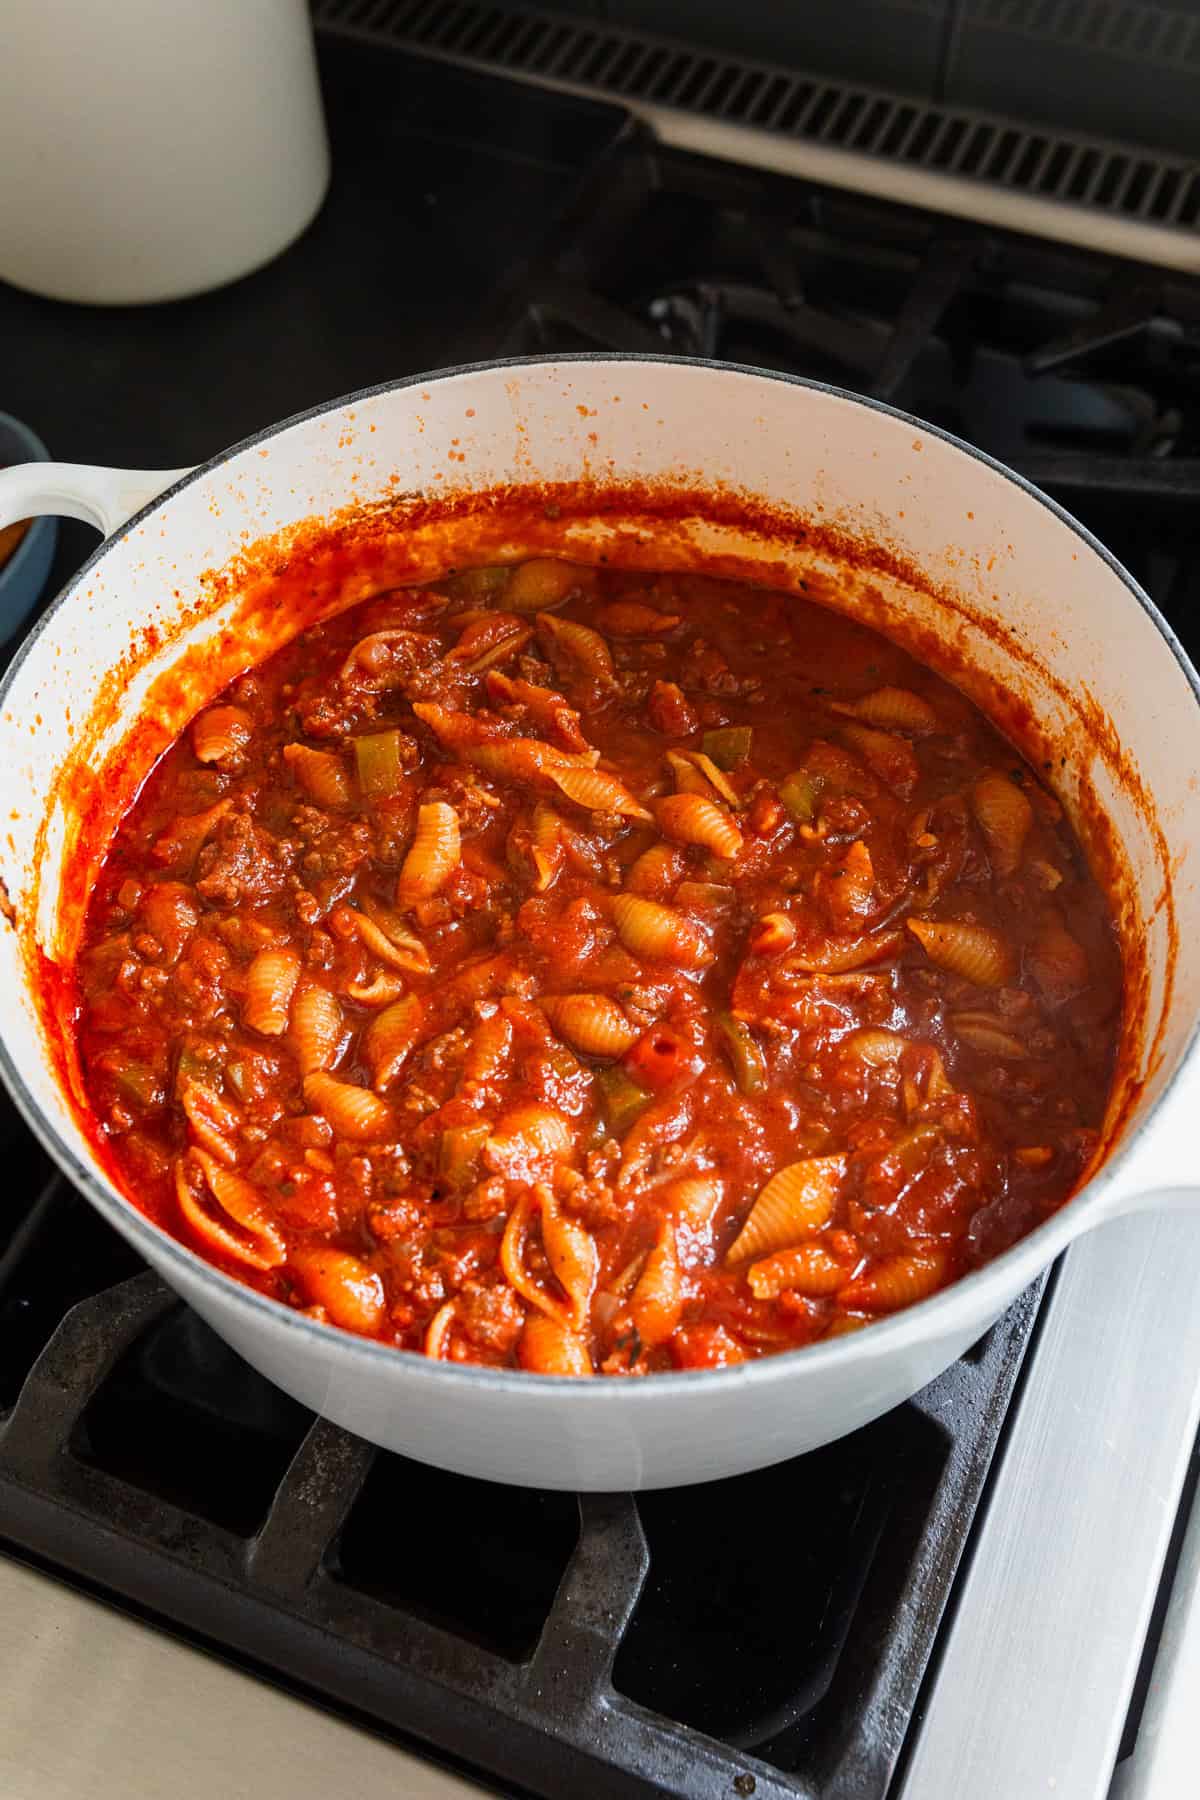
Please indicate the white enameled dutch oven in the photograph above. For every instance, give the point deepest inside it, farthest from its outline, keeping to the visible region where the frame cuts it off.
(655, 463)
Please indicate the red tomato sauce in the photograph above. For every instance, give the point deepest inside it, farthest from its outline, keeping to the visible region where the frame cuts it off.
(596, 972)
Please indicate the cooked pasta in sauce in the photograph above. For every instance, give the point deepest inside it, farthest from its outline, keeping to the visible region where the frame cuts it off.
(593, 972)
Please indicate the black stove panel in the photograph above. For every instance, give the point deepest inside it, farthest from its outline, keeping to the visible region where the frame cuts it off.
(767, 1635)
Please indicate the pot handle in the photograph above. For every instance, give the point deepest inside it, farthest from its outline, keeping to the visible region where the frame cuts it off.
(105, 498)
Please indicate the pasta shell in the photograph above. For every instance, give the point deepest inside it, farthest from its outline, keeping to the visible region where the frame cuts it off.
(578, 646)
(573, 1257)
(348, 1288)
(270, 983)
(237, 1224)
(772, 935)
(656, 1304)
(221, 731)
(696, 773)
(848, 888)
(378, 658)
(390, 1040)
(1005, 817)
(546, 707)
(655, 872)
(810, 1269)
(877, 1048)
(975, 952)
(435, 853)
(835, 956)
(547, 849)
(528, 1142)
(629, 618)
(896, 1281)
(488, 636)
(979, 1031)
(548, 1347)
(506, 647)
(1058, 962)
(591, 1023)
(459, 732)
(526, 759)
(213, 1121)
(597, 792)
(386, 938)
(437, 1334)
(489, 1050)
(887, 756)
(542, 581)
(512, 1262)
(691, 819)
(843, 1324)
(319, 773)
(795, 1202)
(386, 987)
(687, 777)
(895, 709)
(354, 1112)
(317, 1032)
(693, 1200)
(650, 929)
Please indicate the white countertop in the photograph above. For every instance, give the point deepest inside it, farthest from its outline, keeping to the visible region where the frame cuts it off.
(98, 1705)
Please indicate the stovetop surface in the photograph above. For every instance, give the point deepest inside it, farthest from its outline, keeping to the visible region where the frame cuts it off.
(773, 1630)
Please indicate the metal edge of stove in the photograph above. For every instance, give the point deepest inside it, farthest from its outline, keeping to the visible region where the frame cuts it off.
(1124, 199)
(1163, 1761)
(1038, 1662)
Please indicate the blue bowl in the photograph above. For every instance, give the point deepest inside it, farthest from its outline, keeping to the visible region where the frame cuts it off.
(23, 576)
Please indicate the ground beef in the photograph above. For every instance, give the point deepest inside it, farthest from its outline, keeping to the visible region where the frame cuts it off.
(241, 864)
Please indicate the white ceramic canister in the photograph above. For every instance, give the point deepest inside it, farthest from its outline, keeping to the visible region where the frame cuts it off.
(154, 148)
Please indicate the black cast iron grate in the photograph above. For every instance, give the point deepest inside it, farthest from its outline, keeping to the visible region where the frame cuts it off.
(767, 1634)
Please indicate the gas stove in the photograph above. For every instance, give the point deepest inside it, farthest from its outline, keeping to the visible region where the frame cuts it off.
(987, 1592)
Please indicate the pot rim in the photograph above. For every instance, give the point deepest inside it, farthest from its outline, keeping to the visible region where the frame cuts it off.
(972, 1295)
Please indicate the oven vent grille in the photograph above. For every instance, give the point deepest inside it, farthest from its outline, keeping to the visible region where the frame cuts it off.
(660, 74)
